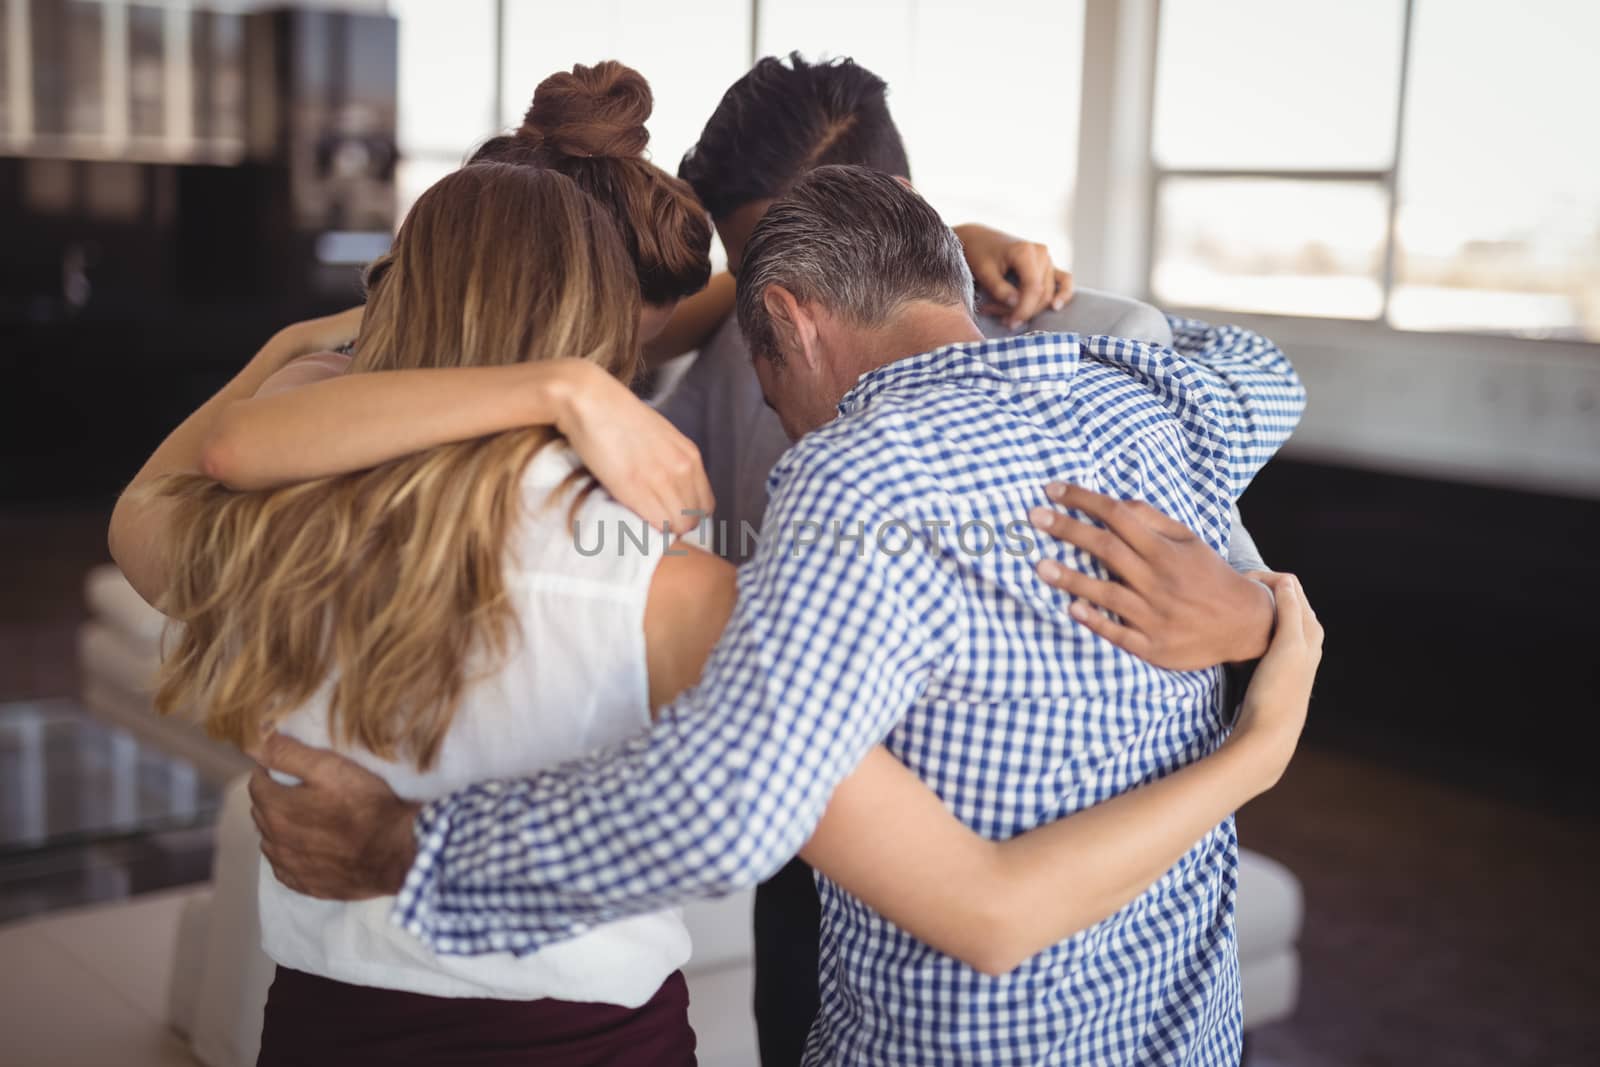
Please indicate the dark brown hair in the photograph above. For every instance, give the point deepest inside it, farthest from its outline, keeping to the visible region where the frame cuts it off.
(588, 123)
(785, 117)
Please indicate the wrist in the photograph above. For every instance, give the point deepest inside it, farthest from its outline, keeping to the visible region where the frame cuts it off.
(398, 847)
(1258, 619)
(1260, 758)
(558, 392)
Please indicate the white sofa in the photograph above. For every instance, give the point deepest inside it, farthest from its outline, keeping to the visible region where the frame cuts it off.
(178, 977)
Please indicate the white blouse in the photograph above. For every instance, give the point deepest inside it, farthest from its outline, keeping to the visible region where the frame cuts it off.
(575, 681)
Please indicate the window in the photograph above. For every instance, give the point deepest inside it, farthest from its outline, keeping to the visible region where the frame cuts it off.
(689, 50)
(446, 104)
(1425, 163)
(990, 118)
(451, 55)
(988, 104)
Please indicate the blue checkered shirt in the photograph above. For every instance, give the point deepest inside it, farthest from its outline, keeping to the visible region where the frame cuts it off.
(893, 600)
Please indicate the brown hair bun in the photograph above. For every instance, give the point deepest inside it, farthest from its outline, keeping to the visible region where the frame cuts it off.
(591, 112)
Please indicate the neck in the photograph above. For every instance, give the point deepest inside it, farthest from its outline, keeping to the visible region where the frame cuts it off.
(917, 328)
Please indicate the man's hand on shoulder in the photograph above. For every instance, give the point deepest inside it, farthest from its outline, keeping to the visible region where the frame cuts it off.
(341, 834)
(1179, 605)
(1018, 278)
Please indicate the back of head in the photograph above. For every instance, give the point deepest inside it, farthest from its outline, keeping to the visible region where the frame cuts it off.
(854, 241)
(782, 119)
(501, 264)
(589, 124)
(393, 578)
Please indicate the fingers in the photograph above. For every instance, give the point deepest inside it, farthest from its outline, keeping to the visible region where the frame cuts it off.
(1107, 546)
(1063, 290)
(281, 868)
(1112, 508)
(1124, 637)
(287, 756)
(704, 501)
(1108, 596)
(1035, 281)
(1297, 625)
(694, 502)
(261, 787)
(991, 279)
(1133, 520)
(1310, 625)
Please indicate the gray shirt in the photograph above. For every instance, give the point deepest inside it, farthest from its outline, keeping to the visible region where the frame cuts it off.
(717, 404)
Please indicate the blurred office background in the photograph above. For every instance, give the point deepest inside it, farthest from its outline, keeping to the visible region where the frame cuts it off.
(1405, 194)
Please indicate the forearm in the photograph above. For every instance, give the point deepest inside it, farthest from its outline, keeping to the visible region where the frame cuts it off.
(1064, 877)
(357, 421)
(663, 819)
(138, 522)
(693, 321)
(887, 839)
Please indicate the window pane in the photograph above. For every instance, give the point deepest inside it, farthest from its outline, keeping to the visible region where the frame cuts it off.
(1278, 246)
(876, 35)
(446, 102)
(1499, 218)
(1275, 85)
(990, 119)
(690, 51)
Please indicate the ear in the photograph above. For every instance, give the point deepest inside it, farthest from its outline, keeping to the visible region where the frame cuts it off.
(795, 324)
(903, 180)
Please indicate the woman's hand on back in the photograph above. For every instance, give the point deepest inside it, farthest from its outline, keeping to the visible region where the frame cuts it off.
(1274, 710)
(632, 450)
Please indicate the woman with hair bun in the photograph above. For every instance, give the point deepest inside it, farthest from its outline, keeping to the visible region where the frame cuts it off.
(589, 124)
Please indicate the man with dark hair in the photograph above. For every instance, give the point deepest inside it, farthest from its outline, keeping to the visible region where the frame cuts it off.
(784, 118)
(778, 122)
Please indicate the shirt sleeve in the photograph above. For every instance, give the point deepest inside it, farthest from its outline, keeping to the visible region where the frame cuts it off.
(1234, 392)
(831, 642)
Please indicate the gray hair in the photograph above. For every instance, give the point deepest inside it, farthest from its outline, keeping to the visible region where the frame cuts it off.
(859, 243)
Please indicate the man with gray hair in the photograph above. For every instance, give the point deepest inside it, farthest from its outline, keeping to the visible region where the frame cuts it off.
(893, 600)
(848, 273)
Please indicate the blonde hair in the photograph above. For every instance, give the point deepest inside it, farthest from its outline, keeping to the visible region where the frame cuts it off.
(393, 577)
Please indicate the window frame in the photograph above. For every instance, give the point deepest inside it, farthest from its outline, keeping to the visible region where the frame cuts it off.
(1332, 329)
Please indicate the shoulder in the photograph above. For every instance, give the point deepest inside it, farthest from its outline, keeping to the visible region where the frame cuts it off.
(572, 533)
(1094, 312)
(691, 575)
(878, 458)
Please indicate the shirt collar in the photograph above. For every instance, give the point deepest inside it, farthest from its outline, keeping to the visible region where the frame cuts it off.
(1002, 360)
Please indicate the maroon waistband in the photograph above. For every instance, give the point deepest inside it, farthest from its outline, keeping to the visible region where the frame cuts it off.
(311, 1021)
